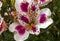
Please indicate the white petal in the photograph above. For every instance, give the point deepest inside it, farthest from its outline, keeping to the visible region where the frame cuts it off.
(21, 37)
(44, 3)
(1, 20)
(37, 31)
(19, 40)
(45, 24)
(31, 32)
(12, 27)
(46, 11)
(0, 4)
(17, 5)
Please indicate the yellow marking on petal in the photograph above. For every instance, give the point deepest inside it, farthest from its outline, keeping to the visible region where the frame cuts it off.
(14, 32)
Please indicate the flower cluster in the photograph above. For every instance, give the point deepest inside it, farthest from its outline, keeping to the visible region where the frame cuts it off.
(29, 18)
(3, 26)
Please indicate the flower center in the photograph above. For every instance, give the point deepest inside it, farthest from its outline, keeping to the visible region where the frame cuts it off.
(42, 18)
(31, 27)
(24, 6)
(20, 29)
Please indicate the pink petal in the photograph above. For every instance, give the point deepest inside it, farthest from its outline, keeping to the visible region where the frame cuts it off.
(0, 29)
(3, 27)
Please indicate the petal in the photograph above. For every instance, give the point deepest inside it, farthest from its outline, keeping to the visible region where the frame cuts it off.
(23, 19)
(46, 11)
(18, 3)
(3, 27)
(24, 6)
(12, 27)
(21, 37)
(42, 18)
(45, 24)
(1, 32)
(43, 2)
(33, 8)
(17, 6)
(0, 4)
(19, 40)
(21, 29)
(1, 20)
(37, 31)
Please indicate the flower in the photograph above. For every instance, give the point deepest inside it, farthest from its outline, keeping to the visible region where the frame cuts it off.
(31, 25)
(30, 18)
(43, 2)
(3, 25)
(0, 5)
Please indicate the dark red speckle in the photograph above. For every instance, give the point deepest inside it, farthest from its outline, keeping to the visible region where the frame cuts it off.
(25, 19)
(42, 18)
(20, 29)
(24, 6)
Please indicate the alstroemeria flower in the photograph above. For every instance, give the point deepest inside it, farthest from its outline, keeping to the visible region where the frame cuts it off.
(27, 26)
(43, 2)
(0, 5)
(3, 25)
(22, 5)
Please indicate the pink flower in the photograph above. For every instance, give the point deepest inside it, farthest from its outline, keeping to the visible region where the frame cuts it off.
(3, 25)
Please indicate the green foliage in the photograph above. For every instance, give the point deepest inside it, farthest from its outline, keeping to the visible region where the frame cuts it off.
(52, 33)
